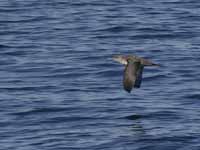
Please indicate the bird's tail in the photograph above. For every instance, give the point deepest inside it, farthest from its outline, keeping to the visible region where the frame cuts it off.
(146, 62)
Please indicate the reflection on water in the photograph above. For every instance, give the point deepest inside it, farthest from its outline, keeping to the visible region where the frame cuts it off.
(134, 117)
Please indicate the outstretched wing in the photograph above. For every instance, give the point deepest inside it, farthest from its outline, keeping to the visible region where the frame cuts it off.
(132, 75)
(138, 80)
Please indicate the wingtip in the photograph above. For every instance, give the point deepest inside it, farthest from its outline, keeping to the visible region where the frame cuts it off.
(129, 91)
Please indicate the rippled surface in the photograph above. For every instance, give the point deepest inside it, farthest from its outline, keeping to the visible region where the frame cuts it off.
(59, 89)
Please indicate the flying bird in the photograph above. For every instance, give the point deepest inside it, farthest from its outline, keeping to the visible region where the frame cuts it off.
(134, 66)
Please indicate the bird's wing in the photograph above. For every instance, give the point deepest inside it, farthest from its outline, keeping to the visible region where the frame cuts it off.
(131, 75)
(138, 80)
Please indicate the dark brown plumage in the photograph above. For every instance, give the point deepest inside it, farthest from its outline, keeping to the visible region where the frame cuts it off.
(133, 70)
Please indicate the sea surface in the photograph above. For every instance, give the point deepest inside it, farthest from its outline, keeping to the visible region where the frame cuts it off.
(61, 90)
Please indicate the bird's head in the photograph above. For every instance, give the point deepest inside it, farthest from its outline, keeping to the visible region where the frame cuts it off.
(121, 59)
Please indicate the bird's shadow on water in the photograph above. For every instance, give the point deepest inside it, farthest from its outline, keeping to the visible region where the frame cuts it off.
(136, 126)
(134, 117)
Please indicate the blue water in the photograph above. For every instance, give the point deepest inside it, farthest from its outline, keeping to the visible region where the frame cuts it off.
(59, 88)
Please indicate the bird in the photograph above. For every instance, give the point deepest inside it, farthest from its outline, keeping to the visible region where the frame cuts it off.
(134, 66)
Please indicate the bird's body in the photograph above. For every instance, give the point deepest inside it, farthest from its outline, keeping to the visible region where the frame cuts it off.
(133, 70)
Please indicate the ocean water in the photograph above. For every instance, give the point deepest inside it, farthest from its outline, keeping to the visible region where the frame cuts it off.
(60, 89)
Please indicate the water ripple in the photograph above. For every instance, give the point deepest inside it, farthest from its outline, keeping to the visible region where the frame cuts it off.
(60, 88)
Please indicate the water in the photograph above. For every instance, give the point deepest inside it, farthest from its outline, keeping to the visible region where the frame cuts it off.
(59, 89)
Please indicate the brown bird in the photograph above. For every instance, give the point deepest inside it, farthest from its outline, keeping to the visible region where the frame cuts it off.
(133, 70)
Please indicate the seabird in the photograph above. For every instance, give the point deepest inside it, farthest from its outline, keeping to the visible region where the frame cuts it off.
(133, 70)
